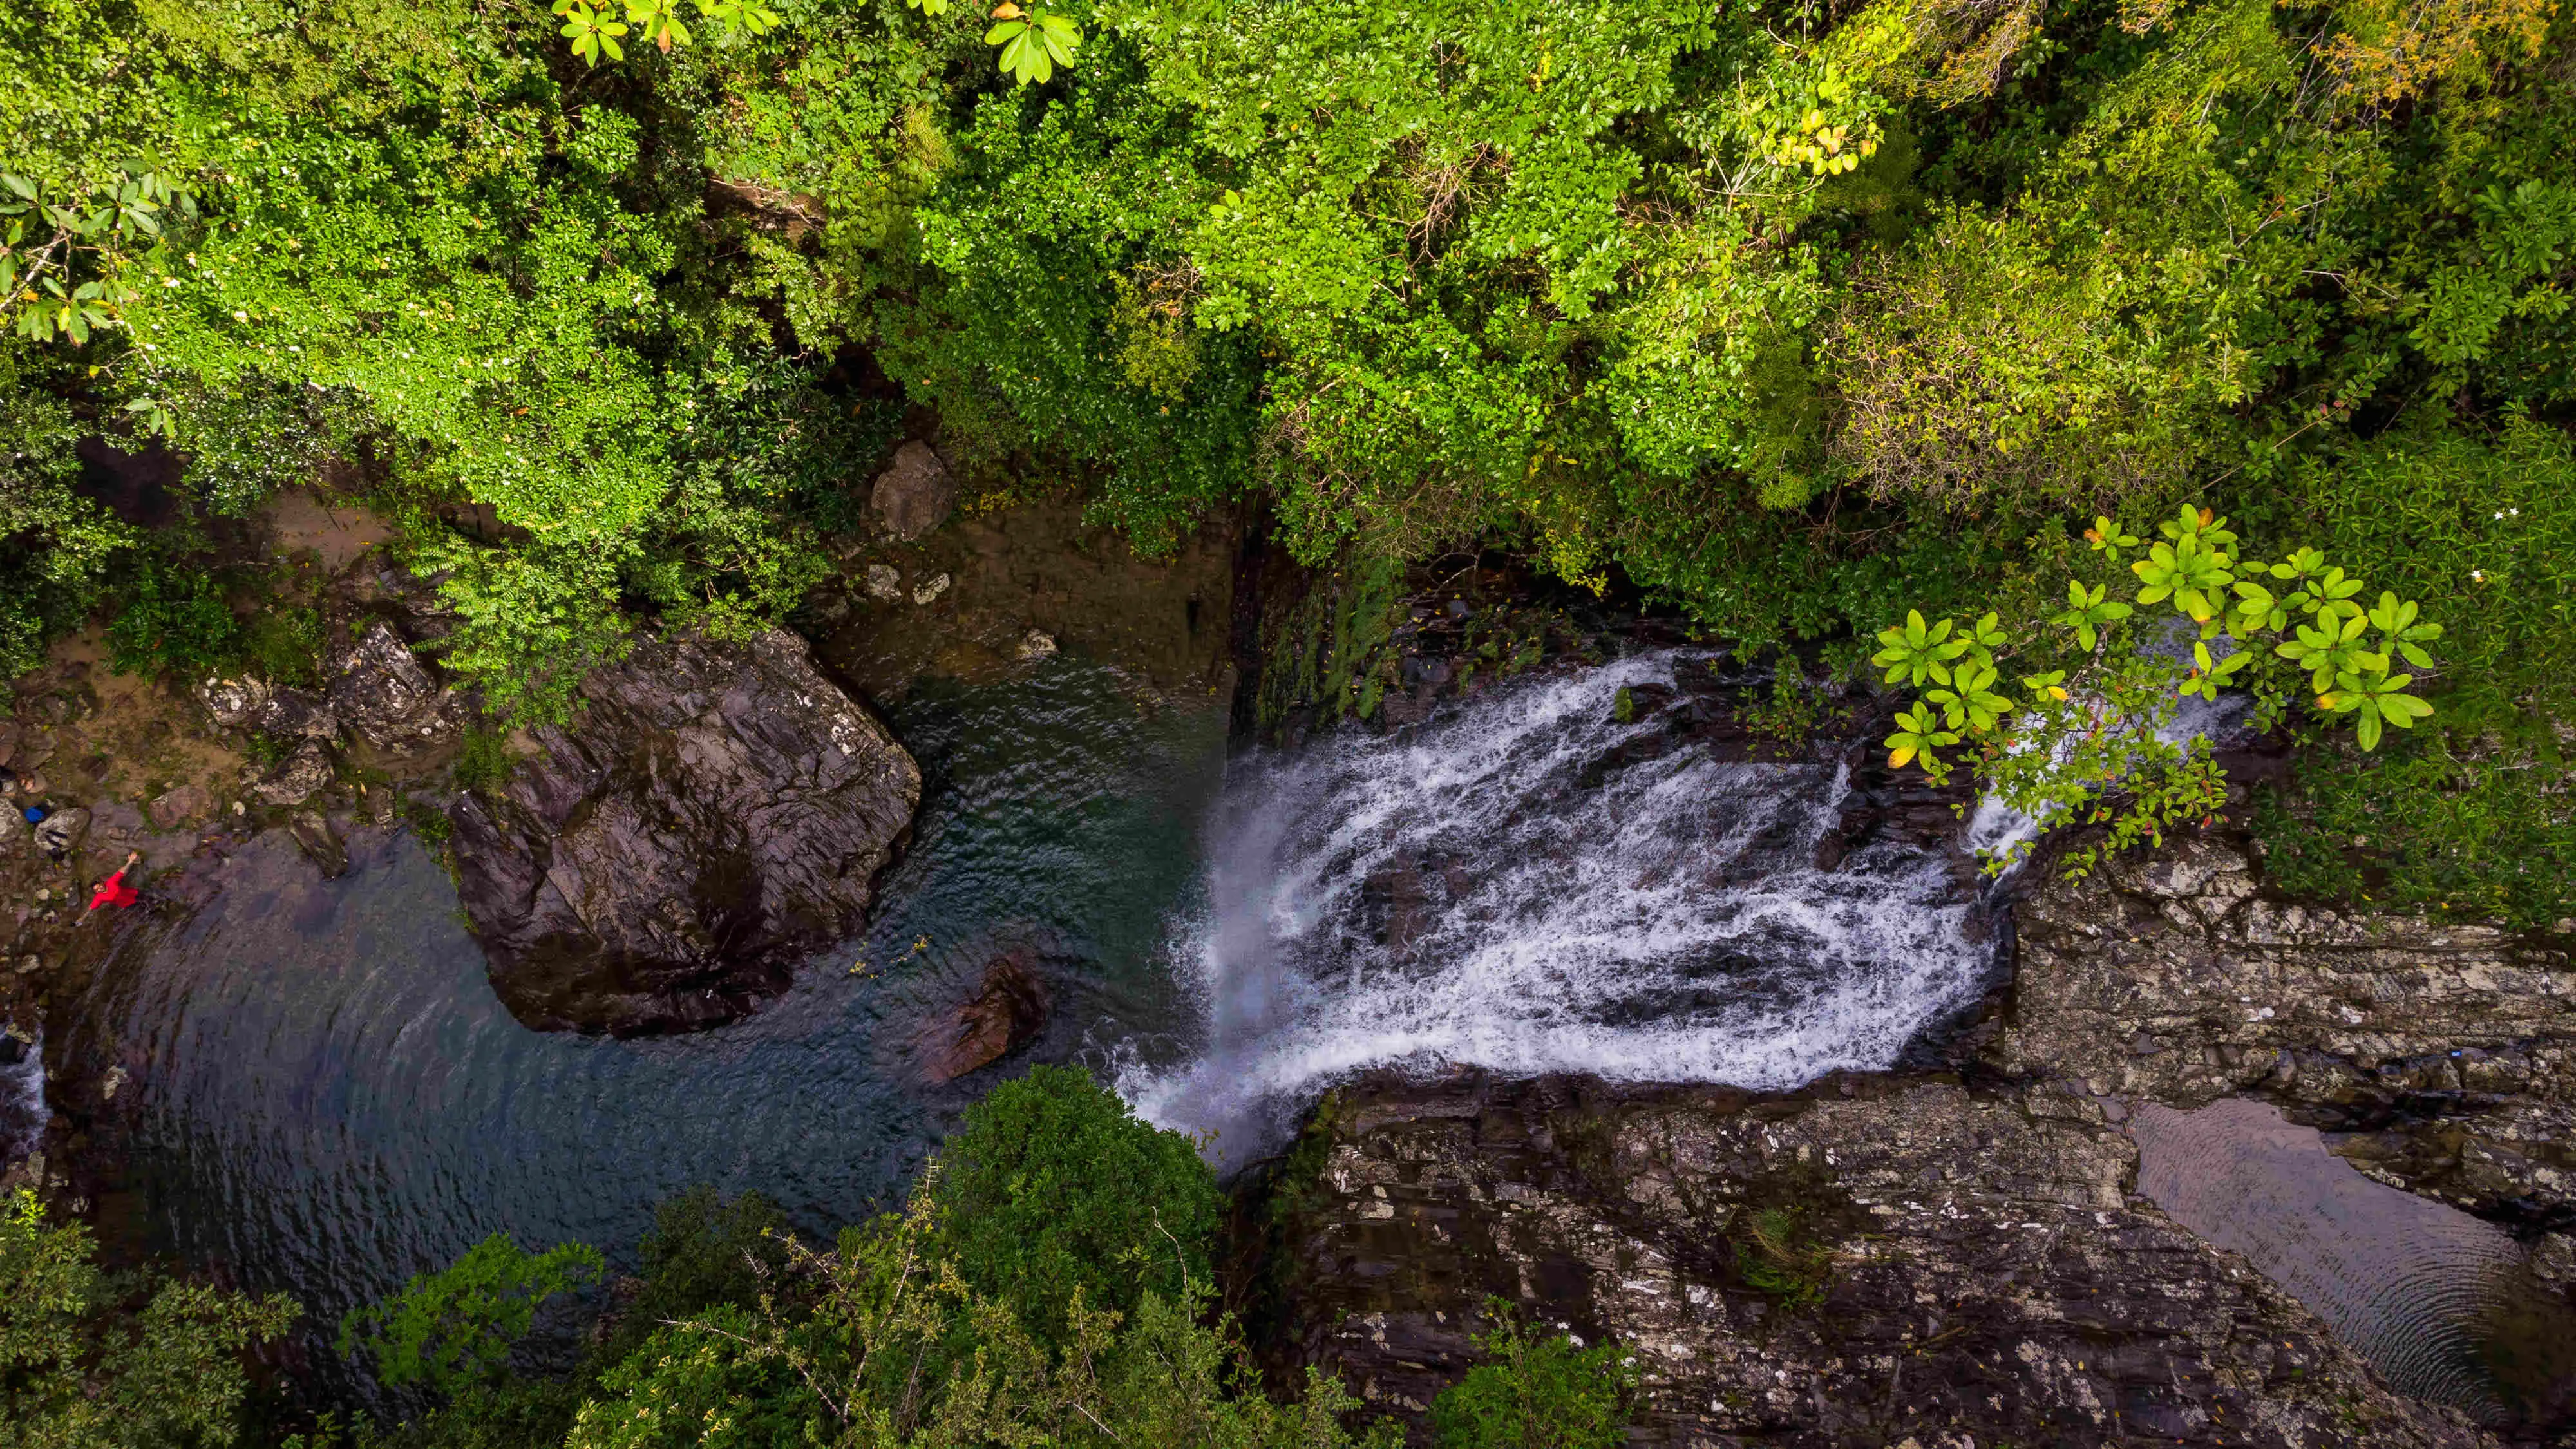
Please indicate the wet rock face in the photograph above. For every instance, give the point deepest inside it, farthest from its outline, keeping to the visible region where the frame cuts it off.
(2448, 1053)
(713, 812)
(1975, 1272)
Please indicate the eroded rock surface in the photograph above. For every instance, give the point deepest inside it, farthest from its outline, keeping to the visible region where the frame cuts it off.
(304, 773)
(713, 812)
(2447, 1052)
(1978, 1273)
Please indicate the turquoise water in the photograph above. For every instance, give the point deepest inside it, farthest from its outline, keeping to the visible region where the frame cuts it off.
(324, 1096)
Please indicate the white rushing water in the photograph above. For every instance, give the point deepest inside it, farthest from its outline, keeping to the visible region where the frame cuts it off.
(1526, 885)
(22, 1096)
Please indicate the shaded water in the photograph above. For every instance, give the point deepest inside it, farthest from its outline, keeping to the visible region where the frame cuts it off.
(2441, 1303)
(327, 1097)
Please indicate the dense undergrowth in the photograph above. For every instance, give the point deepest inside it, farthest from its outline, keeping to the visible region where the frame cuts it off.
(1793, 315)
(1048, 1284)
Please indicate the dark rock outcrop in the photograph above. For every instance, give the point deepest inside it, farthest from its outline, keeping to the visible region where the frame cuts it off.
(715, 810)
(1008, 1009)
(1875, 1262)
(255, 705)
(2447, 1053)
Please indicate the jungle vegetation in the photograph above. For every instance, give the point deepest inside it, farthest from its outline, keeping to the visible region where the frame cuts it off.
(1793, 317)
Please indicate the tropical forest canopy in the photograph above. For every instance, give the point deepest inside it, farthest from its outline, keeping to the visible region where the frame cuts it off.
(1791, 318)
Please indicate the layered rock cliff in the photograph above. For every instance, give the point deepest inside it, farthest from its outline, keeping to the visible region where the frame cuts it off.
(2445, 1055)
(1875, 1261)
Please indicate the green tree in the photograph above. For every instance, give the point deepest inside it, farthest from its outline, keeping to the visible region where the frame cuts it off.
(90, 1360)
(1536, 1390)
(454, 1329)
(1054, 1189)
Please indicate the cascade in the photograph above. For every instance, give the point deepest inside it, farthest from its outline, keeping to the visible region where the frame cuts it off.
(1527, 884)
(22, 1096)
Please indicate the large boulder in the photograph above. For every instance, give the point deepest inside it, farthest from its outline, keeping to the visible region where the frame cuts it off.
(386, 696)
(715, 811)
(915, 494)
(303, 774)
(253, 704)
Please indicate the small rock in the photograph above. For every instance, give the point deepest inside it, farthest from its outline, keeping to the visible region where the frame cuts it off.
(59, 832)
(916, 494)
(298, 777)
(183, 806)
(28, 964)
(315, 837)
(1009, 1010)
(1036, 645)
(235, 704)
(927, 592)
(1456, 609)
(884, 584)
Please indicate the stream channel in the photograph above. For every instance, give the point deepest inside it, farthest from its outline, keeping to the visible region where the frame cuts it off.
(321, 1095)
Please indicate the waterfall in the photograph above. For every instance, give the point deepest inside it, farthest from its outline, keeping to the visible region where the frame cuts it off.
(1527, 884)
(22, 1095)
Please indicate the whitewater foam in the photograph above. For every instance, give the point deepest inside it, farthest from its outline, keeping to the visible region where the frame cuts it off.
(1528, 885)
(22, 1096)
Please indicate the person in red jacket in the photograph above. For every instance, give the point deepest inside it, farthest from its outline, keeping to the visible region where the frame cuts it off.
(113, 891)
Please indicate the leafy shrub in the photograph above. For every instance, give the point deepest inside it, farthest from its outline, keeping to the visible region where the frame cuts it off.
(454, 1329)
(2053, 742)
(2470, 815)
(1053, 1188)
(90, 1361)
(706, 1250)
(54, 544)
(248, 440)
(1974, 370)
(882, 1342)
(1538, 1391)
(282, 643)
(173, 620)
(482, 759)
